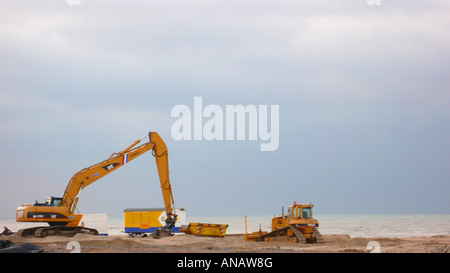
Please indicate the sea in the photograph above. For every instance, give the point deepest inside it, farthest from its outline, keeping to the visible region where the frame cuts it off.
(399, 226)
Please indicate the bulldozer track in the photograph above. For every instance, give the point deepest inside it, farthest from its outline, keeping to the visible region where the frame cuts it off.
(300, 237)
(273, 233)
(298, 234)
(319, 238)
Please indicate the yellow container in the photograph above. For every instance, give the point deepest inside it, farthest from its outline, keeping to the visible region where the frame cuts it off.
(148, 220)
(203, 229)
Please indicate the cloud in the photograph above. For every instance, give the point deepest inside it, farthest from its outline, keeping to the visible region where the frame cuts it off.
(36, 127)
(361, 89)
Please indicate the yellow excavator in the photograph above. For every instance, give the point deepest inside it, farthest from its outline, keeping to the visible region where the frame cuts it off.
(59, 213)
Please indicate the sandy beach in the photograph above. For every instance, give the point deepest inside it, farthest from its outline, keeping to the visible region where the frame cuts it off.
(234, 243)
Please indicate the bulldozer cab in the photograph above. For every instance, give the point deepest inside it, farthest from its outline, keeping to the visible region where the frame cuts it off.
(298, 211)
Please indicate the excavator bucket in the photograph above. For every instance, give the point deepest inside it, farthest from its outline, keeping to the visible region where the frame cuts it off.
(161, 232)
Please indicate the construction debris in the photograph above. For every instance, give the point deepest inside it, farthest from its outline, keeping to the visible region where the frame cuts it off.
(203, 229)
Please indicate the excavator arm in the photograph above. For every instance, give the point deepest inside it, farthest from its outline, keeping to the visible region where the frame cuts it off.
(89, 175)
(162, 161)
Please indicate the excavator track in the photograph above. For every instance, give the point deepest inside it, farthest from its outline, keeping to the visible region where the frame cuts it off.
(41, 232)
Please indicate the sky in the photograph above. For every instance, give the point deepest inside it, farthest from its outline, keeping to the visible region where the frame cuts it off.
(363, 93)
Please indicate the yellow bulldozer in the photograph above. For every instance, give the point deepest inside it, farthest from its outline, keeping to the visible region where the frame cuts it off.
(297, 226)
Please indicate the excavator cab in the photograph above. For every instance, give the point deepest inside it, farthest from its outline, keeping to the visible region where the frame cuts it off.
(49, 201)
(53, 201)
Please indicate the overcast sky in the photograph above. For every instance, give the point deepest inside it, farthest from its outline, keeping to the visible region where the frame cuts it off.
(363, 94)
